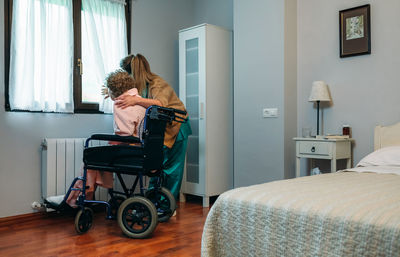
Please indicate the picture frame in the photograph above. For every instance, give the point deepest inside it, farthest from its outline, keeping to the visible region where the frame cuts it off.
(355, 31)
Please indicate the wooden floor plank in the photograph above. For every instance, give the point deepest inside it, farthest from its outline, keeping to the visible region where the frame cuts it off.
(54, 235)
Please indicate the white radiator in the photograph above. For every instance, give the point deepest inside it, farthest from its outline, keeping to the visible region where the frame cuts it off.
(61, 163)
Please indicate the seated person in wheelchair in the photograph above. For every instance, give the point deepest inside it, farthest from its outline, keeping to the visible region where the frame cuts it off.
(126, 123)
(127, 120)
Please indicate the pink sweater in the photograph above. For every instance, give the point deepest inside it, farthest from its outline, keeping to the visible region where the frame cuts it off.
(127, 121)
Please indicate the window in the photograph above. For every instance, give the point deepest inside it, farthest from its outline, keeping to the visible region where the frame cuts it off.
(59, 51)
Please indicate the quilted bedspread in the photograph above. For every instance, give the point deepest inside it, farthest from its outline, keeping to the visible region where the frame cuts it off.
(338, 214)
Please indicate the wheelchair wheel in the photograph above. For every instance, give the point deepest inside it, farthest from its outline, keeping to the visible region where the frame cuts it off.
(115, 202)
(164, 201)
(83, 220)
(137, 217)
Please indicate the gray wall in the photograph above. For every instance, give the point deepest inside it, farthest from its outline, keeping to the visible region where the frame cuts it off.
(290, 82)
(365, 89)
(260, 78)
(216, 12)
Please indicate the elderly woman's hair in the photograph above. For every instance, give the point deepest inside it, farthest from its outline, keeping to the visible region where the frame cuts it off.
(119, 82)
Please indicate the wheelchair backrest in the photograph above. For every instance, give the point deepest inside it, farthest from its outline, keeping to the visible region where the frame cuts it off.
(153, 138)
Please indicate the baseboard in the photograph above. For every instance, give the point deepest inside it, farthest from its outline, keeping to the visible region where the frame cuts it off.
(24, 217)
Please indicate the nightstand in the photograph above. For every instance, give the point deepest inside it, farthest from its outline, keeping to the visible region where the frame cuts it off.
(328, 149)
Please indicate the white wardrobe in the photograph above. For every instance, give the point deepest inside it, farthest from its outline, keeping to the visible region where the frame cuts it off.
(206, 89)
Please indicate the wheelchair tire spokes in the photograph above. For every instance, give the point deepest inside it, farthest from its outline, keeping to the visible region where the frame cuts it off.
(137, 217)
(139, 220)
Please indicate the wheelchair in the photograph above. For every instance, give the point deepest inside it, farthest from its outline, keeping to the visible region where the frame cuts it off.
(137, 214)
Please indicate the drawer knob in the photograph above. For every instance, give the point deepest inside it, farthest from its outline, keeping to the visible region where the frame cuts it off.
(313, 149)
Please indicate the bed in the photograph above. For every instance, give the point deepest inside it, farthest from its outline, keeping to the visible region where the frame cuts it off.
(348, 213)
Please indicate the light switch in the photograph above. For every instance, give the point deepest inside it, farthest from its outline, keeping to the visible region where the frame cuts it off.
(270, 112)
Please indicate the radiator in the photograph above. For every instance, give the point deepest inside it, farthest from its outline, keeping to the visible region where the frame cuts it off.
(61, 163)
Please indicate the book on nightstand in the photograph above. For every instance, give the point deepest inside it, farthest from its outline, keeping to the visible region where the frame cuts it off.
(336, 136)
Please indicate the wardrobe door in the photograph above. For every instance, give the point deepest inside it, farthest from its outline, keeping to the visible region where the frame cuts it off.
(190, 43)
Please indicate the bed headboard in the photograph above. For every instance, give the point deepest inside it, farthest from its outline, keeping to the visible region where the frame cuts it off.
(387, 136)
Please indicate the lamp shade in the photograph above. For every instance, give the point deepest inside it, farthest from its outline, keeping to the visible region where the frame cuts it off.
(319, 92)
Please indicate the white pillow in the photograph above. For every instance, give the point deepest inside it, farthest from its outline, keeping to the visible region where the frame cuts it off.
(387, 156)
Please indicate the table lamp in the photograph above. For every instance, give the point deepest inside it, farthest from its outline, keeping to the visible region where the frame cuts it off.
(319, 93)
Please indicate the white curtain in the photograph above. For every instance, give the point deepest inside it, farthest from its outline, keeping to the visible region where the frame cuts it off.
(104, 44)
(41, 57)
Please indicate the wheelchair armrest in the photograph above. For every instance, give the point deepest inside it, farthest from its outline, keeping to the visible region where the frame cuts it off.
(109, 137)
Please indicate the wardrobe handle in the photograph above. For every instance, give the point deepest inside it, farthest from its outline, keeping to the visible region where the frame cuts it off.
(201, 111)
(313, 149)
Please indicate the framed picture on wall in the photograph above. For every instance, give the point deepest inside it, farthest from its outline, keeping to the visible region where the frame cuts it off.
(355, 31)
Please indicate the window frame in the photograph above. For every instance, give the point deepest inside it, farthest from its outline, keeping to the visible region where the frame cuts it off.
(79, 107)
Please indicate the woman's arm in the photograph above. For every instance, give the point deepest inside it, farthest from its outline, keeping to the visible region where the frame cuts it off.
(124, 101)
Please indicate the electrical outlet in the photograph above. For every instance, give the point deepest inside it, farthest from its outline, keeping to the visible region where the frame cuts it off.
(270, 112)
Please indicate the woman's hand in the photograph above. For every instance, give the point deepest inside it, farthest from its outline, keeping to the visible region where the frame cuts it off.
(124, 101)
(104, 92)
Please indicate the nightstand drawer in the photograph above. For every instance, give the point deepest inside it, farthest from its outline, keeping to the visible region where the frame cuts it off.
(324, 149)
(317, 148)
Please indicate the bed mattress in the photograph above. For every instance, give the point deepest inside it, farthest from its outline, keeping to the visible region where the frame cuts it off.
(338, 214)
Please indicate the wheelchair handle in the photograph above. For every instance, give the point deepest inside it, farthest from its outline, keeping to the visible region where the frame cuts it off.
(168, 114)
(171, 110)
(180, 111)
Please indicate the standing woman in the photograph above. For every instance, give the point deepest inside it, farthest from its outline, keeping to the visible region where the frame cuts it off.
(156, 91)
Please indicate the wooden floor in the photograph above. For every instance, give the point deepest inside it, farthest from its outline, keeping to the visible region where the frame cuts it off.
(54, 235)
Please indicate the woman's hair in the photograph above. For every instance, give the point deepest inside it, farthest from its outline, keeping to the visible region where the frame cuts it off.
(139, 67)
(125, 63)
(119, 82)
